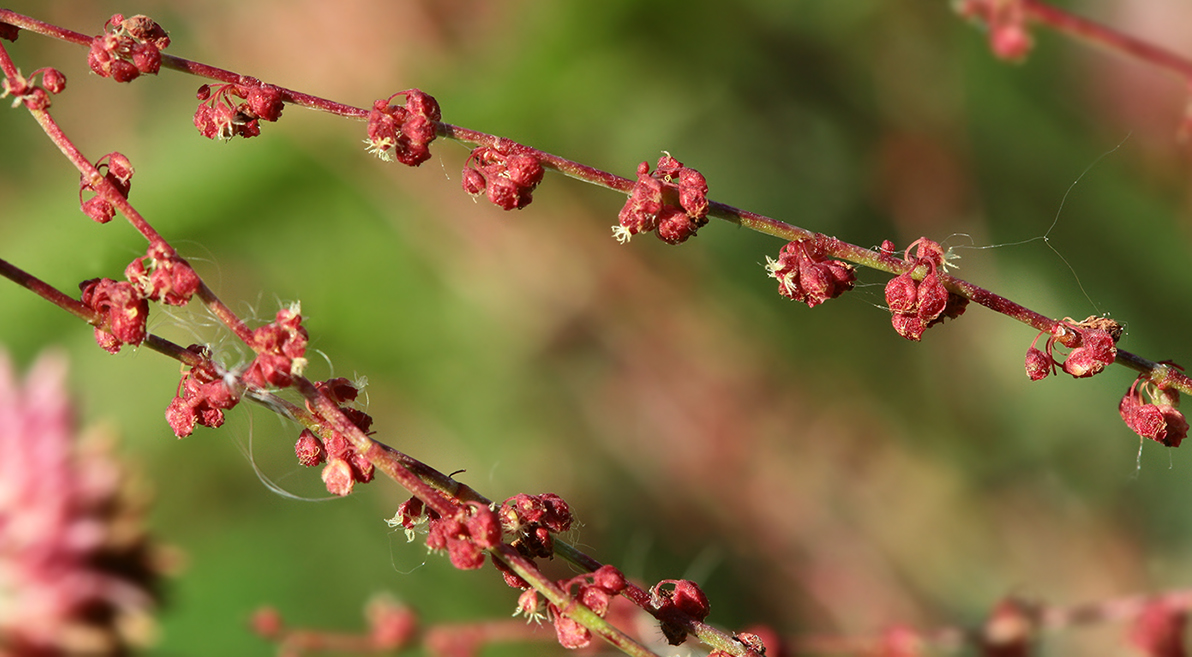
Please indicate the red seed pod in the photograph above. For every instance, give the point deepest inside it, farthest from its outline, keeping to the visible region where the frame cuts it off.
(54, 80)
(143, 28)
(483, 525)
(337, 476)
(309, 449)
(524, 170)
(119, 171)
(181, 417)
(674, 226)
(1038, 364)
(146, 58)
(932, 297)
(571, 634)
(910, 327)
(340, 390)
(36, 99)
(265, 101)
(473, 181)
(902, 294)
(423, 104)
(420, 131)
(123, 71)
(98, 210)
(1096, 350)
(557, 513)
(609, 578)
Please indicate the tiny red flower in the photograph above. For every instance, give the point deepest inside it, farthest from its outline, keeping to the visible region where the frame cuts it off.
(682, 596)
(465, 536)
(116, 169)
(1005, 22)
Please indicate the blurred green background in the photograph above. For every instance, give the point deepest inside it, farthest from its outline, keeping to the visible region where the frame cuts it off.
(814, 471)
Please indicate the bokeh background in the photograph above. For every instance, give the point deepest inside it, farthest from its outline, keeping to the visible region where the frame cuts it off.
(814, 471)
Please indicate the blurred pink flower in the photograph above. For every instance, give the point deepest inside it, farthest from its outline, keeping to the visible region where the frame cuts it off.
(77, 572)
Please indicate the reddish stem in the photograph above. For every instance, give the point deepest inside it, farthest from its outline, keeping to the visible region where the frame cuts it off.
(1108, 38)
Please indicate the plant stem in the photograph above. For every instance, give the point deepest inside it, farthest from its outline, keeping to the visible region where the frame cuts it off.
(1108, 38)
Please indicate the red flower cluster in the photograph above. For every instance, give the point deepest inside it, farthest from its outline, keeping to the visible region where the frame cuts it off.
(466, 535)
(409, 516)
(35, 98)
(163, 276)
(124, 310)
(506, 173)
(203, 395)
(805, 273)
(672, 201)
(281, 350)
(919, 305)
(1159, 630)
(596, 591)
(1160, 420)
(403, 133)
(681, 596)
(345, 466)
(221, 116)
(127, 48)
(533, 518)
(1096, 349)
(1005, 21)
(117, 170)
